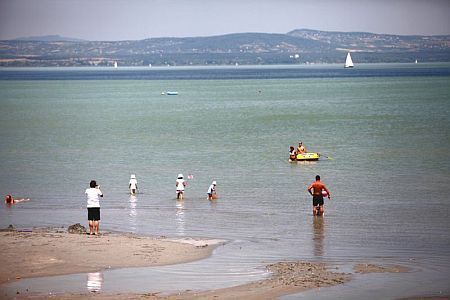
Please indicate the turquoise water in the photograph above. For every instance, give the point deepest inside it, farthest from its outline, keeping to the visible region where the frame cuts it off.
(386, 139)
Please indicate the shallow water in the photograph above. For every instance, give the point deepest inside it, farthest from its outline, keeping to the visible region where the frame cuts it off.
(386, 136)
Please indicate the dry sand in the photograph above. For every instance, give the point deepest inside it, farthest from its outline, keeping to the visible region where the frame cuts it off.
(46, 252)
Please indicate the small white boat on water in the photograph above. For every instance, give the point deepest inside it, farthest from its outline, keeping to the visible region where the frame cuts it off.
(115, 64)
(348, 61)
(170, 93)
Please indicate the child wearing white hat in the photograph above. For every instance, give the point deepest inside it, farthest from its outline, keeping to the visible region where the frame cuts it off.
(133, 184)
(180, 184)
(212, 191)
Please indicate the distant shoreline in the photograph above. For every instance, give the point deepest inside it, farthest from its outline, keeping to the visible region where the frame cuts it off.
(274, 65)
(296, 46)
(216, 66)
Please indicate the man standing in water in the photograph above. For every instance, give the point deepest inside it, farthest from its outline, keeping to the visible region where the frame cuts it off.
(315, 189)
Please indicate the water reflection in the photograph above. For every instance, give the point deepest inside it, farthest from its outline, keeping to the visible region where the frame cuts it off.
(180, 218)
(133, 212)
(318, 235)
(304, 162)
(94, 281)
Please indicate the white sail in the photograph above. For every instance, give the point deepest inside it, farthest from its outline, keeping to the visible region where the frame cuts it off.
(115, 64)
(348, 61)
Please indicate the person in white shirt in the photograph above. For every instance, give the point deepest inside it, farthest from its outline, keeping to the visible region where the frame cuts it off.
(180, 184)
(212, 191)
(133, 184)
(93, 206)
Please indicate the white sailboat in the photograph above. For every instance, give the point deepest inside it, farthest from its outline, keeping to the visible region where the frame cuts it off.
(115, 64)
(348, 61)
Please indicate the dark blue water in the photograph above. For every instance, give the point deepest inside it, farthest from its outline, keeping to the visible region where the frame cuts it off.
(241, 72)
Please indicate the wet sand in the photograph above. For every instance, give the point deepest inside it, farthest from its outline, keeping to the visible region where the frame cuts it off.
(47, 252)
(287, 278)
(372, 268)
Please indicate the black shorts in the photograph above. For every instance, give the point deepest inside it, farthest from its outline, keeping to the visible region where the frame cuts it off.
(317, 200)
(94, 213)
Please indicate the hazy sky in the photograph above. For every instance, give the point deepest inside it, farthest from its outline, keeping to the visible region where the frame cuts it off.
(140, 19)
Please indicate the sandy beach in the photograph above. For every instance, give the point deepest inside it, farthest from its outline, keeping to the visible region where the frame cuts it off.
(47, 252)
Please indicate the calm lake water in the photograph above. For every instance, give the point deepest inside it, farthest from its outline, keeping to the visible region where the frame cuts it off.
(383, 132)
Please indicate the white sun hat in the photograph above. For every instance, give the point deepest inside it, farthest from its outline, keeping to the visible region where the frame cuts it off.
(180, 175)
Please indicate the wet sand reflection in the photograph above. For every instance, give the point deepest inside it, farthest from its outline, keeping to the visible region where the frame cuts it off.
(94, 281)
(132, 204)
(180, 218)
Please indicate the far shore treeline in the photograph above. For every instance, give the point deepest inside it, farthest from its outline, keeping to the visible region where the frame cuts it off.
(302, 46)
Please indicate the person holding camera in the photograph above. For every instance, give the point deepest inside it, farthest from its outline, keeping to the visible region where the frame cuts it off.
(93, 206)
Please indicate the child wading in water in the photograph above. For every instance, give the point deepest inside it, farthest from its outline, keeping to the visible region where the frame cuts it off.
(212, 194)
(133, 184)
(180, 185)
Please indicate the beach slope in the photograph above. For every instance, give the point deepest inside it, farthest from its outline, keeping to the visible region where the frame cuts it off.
(47, 252)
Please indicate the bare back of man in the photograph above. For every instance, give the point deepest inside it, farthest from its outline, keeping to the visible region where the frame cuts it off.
(315, 189)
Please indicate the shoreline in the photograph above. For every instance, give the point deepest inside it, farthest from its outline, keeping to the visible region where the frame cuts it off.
(55, 251)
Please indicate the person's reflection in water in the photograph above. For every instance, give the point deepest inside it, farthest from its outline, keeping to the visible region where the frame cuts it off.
(318, 235)
(133, 212)
(180, 218)
(94, 282)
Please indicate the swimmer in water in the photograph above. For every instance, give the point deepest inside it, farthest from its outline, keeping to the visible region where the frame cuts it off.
(292, 154)
(10, 200)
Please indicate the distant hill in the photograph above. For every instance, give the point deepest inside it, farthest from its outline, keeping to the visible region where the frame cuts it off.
(372, 42)
(49, 38)
(296, 47)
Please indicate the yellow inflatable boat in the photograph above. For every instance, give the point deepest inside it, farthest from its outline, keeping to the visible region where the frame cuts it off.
(308, 156)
